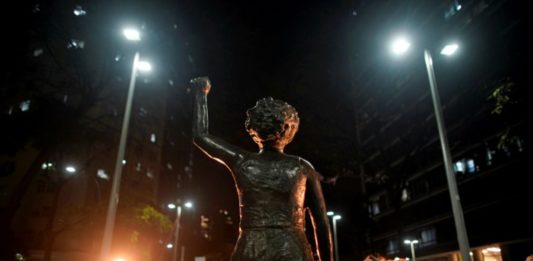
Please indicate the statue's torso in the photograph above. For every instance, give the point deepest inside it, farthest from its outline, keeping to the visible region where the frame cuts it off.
(271, 191)
(271, 194)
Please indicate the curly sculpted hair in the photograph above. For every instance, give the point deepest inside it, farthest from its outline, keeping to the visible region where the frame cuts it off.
(270, 119)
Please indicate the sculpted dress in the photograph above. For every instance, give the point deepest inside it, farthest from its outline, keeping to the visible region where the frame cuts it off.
(271, 188)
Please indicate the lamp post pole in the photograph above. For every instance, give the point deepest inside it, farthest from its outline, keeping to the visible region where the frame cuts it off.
(412, 244)
(335, 218)
(177, 233)
(178, 207)
(115, 189)
(458, 216)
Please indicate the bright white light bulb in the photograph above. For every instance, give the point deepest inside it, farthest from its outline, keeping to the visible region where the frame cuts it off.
(144, 66)
(449, 49)
(400, 46)
(132, 34)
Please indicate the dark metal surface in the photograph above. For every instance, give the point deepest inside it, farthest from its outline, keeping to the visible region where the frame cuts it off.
(274, 189)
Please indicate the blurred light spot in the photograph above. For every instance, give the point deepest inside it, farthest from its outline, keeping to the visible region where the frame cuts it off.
(169, 166)
(123, 162)
(152, 138)
(70, 169)
(143, 66)
(132, 34)
(74, 43)
(354, 13)
(188, 204)
(149, 174)
(175, 27)
(449, 49)
(10, 110)
(38, 52)
(169, 246)
(171, 82)
(36, 8)
(25, 105)
(101, 174)
(78, 11)
(138, 167)
(65, 98)
(459, 7)
(400, 45)
(44, 166)
(191, 60)
(117, 58)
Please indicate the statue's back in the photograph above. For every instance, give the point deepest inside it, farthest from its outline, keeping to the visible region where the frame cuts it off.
(271, 191)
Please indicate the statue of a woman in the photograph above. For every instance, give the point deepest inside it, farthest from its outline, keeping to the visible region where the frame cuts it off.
(274, 188)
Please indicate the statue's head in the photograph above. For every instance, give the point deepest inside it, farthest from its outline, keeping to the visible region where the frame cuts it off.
(272, 123)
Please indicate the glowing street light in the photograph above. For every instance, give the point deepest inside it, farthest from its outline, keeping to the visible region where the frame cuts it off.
(462, 238)
(449, 49)
(70, 169)
(132, 35)
(412, 243)
(400, 45)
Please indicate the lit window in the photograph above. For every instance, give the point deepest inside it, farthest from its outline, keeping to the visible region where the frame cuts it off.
(459, 166)
(471, 166)
(38, 52)
(78, 11)
(405, 195)
(25, 105)
(428, 237)
(101, 174)
(149, 173)
(375, 208)
(519, 144)
(489, 155)
(74, 43)
(392, 247)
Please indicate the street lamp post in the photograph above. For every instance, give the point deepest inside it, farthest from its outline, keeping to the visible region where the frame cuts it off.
(462, 238)
(177, 206)
(457, 209)
(412, 243)
(334, 218)
(115, 189)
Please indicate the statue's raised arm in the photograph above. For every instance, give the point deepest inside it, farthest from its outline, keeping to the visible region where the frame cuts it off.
(214, 147)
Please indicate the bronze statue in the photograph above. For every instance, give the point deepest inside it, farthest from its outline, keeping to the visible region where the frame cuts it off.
(271, 185)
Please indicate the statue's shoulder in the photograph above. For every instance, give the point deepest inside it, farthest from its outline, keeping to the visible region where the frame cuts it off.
(303, 162)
